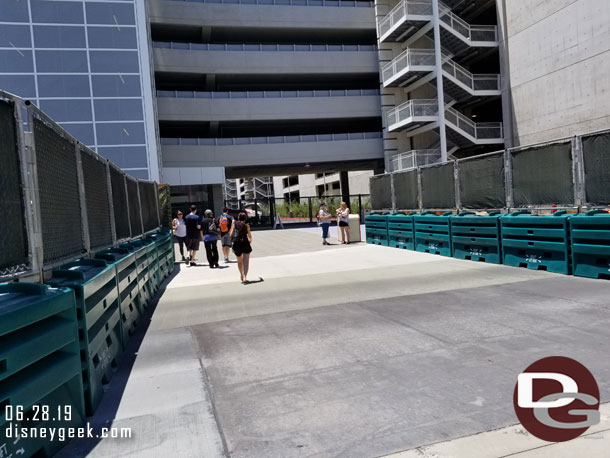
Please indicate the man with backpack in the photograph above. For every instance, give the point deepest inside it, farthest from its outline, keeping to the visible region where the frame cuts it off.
(225, 222)
(210, 230)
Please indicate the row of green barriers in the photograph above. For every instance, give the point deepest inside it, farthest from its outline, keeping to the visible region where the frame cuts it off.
(561, 242)
(60, 343)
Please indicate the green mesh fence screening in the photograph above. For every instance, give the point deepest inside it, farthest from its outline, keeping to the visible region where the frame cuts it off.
(405, 190)
(543, 175)
(381, 192)
(148, 199)
(596, 154)
(62, 225)
(134, 207)
(438, 186)
(482, 182)
(119, 202)
(13, 239)
(96, 198)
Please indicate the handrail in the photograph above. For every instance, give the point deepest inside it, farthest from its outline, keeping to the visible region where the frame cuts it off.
(401, 11)
(470, 32)
(269, 140)
(259, 47)
(480, 131)
(265, 94)
(412, 57)
(415, 158)
(409, 58)
(343, 3)
(412, 108)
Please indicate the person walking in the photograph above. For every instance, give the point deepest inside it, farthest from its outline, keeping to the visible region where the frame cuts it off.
(324, 218)
(242, 245)
(179, 231)
(193, 234)
(209, 228)
(225, 222)
(343, 217)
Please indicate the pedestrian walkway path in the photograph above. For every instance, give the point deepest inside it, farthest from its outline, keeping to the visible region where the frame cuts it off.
(352, 351)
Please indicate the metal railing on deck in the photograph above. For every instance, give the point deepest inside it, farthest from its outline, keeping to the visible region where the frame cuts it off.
(412, 109)
(402, 10)
(266, 94)
(337, 3)
(409, 58)
(470, 32)
(268, 140)
(415, 158)
(259, 47)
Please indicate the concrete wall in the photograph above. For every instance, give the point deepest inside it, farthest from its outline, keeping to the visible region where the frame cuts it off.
(270, 154)
(261, 16)
(559, 67)
(308, 184)
(265, 109)
(265, 62)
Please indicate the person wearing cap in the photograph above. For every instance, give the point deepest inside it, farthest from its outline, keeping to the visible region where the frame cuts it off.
(209, 228)
(324, 218)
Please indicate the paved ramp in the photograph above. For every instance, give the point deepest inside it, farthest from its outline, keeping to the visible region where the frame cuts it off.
(343, 351)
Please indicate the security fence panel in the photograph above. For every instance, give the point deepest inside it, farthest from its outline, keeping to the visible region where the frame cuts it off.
(59, 196)
(596, 155)
(481, 181)
(543, 175)
(381, 192)
(119, 202)
(150, 204)
(438, 186)
(405, 190)
(96, 197)
(135, 208)
(14, 251)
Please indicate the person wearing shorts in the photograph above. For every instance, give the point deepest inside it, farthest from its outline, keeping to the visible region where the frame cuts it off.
(343, 216)
(193, 234)
(179, 230)
(242, 245)
(225, 223)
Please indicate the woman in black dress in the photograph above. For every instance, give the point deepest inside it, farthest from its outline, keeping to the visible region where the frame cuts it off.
(242, 238)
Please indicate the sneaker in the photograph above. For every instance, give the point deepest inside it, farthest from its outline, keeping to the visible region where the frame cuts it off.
(183, 259)
(226, 259)
(193, 263)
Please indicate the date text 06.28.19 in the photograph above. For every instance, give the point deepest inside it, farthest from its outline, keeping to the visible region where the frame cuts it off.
(38, 413)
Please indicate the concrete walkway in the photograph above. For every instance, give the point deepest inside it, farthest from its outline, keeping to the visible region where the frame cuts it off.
(348, 351)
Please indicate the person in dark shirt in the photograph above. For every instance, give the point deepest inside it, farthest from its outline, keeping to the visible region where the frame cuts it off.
(193, 234)
(210, 230)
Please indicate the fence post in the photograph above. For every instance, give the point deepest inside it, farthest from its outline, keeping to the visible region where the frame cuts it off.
(456, 182)
(82, 198)
(256, 211)
(32, 197)
(578, 172)
(508, 179)
(392, 192)
(140, 207)
(361, 212)
(420, 194)
(128, 204)
(158, 203)
(111, 204)
(310, 210)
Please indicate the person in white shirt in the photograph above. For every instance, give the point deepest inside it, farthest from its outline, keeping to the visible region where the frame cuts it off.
(343, 217)
(324, 218)
(179, 231)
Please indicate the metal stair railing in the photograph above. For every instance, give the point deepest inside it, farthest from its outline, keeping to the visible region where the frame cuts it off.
(412, 108)
(478, 131)
(409, 58)
(467, 31)
(402, 10)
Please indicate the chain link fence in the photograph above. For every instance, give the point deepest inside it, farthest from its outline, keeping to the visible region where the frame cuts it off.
(61, 200)
(567, 173)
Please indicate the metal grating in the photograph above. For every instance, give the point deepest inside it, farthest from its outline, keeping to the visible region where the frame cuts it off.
(62, 225)
(134, 207)
(13, 237)
(119, 202)
(148, 199)
(96, 197)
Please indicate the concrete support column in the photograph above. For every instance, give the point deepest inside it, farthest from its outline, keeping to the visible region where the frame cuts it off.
(439, 79)
(344, 181)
